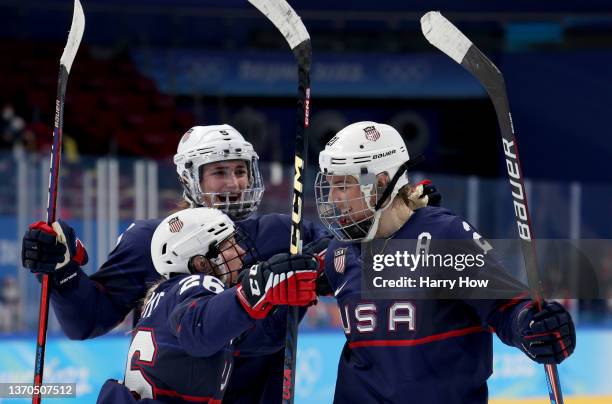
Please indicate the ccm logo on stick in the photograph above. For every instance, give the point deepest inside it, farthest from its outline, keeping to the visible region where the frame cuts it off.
(296, 214)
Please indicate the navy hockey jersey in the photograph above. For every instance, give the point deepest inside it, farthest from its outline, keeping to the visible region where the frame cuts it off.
(87, 307)
(182, 347)
(406, 350)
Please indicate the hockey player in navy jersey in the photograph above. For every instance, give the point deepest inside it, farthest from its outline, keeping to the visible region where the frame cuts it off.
(182, 347)
(412, 350)
(217, 168)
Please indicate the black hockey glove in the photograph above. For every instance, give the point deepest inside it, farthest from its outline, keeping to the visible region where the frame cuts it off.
(323, 288)
(53, 250)
(318, 247)
(283, 279)
(548, 336)
(434, 198)
(422, 194)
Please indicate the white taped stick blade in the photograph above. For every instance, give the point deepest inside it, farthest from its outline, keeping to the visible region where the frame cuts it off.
(442, 34)
(285, 19)
(74, 37)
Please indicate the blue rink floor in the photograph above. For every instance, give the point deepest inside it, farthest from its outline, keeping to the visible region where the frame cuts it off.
(90, 363)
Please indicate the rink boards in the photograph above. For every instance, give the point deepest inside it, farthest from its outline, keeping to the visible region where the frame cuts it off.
(515, 379)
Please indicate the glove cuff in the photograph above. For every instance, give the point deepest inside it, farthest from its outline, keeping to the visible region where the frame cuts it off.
(258, 313)
(80, 257)
(66, 277)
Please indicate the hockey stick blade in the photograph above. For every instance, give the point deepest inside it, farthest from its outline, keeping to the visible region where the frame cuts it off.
(442, 34)
(285, 19)
(74, 37)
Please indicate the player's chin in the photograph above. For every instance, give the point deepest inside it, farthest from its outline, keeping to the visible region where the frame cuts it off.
(353, 219)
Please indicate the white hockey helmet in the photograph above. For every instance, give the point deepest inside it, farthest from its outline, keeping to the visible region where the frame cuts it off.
(362, 150)
(201, 145)
(190, 233)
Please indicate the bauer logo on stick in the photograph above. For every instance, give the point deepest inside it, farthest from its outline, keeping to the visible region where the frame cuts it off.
(340, 260)
(371, 133)
(175, 224)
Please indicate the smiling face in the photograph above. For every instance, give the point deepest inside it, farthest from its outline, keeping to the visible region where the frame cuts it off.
(347, 204)
(231, 256)
(345, 193)
(226, 177)
(226, 266)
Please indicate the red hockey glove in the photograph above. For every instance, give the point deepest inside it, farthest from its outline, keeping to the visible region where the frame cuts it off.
(284, 279)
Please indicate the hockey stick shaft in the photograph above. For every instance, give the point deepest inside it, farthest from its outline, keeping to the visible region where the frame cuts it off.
(303, 109)
(521, 207)
(445, 36)
(72, 45)
(280, 13)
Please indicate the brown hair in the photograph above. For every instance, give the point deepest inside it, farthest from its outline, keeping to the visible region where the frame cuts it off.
(150, 292)
(404, 193)
(181, 205)
(414, 200)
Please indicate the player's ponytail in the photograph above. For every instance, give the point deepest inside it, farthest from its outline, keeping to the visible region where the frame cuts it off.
(412, 196)
(181, 205)
(149, 293)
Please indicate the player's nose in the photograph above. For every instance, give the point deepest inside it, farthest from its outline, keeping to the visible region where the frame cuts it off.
(231, 182)
(338, 198)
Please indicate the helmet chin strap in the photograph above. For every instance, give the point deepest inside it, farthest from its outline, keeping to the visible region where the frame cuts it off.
(226, 273)
(190, 201)
(391, 185)
(374, 227)
(367, 191)
(187, 192)
(389, 189)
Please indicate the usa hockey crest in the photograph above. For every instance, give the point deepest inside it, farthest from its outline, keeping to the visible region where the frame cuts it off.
(175, 224)
(371, 133)
(340, 259)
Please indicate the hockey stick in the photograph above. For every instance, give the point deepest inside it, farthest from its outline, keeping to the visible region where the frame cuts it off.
(290, 25)
(72, 45)
(442, 34)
